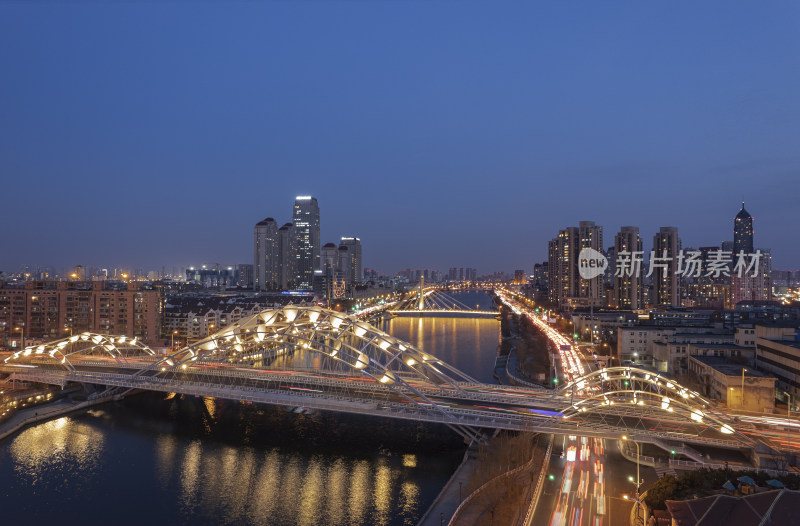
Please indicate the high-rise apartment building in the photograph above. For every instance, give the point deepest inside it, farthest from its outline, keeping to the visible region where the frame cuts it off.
(562, 259)
(287, 257)
(540, 272)
(664, 263)
(356, 271)
(628, 280)
(266, 266)
(305, 216)
(590, 236)
(244, 275)
(564, 281)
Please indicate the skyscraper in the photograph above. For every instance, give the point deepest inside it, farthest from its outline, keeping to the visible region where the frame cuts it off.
(562, 259)
(266, 266)
(591, 236)
(666, 245)
(287, 255)
(305, 216)
(356, 271)
(755, 284)
(628, 285)
(743, 232)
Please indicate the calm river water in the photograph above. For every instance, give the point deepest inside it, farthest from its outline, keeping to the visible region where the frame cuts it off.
(155, 459)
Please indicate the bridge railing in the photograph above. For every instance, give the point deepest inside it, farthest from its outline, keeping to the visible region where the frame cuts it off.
(343, 400)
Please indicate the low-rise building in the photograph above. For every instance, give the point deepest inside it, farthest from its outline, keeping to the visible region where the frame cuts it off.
(604, 325)
(739, 387)
(778, 353)
(670, 353)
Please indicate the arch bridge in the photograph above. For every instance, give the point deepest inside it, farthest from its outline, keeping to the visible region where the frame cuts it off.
(326, 360)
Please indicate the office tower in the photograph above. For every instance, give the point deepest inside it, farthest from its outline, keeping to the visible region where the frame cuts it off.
(742, 232)
(752, 285)
(287, 257)
(664, 262)
(590, 236)
(305, 216)
(265, 255)
(628, 284)
(353, 245)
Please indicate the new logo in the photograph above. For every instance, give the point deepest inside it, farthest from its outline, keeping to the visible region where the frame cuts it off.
(591, 263)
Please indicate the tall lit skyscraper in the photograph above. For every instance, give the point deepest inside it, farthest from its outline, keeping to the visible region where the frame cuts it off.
(266, 266)
(749, 287)
(628, 285)
(565, 283)
(305, 216)
(562, 259)
(666, 246)
(743, 232)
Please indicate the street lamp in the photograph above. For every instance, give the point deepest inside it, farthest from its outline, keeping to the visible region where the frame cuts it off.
(173, 339)
(638, 477)
(743, 371)
(21, 336)
(788, 415)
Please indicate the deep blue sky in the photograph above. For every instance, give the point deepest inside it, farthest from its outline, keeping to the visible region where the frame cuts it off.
(443, 133)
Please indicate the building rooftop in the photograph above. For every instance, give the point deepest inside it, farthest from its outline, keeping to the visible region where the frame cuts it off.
(727, 367)
(721, 346)
(768, 507)
(788, 343)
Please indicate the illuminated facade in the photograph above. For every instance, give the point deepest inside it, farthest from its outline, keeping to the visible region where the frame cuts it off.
(565, 283)
(743, 232)
(628, 288)
(53, 309)
(749, 287)
(666, 286)
(305, 216)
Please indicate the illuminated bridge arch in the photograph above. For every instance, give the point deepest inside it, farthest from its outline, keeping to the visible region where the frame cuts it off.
(119, 349)
(630, 391)
(334, 342)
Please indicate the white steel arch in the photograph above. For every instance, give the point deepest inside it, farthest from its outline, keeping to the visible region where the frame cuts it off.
(645, 392)
(120, 349)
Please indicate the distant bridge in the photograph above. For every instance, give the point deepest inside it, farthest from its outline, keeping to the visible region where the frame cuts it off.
(326, 360)
(434, 302)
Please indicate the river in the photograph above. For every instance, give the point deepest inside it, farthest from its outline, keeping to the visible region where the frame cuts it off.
(162, 459)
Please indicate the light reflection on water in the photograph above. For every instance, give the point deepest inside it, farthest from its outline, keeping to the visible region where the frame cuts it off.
(162, 459)
(57, 442)
(188, 479)
(469, 344)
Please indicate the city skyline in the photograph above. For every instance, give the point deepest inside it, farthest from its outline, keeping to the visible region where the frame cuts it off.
(528, 267)
(136, 138)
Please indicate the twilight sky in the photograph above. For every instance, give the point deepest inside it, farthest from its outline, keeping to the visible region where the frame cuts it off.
(442, 133)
